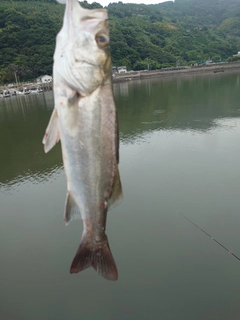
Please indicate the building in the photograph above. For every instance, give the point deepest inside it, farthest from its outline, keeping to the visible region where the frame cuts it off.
(114, 70)
(208, 62)
(44, 79)
(122, 69)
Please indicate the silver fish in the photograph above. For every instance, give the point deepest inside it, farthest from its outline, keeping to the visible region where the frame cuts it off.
(85, 120)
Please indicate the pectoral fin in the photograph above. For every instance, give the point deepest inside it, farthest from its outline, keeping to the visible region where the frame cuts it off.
(72, 211)
(51, 136)
(117, 194)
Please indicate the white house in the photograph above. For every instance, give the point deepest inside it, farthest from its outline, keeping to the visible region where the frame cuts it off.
(44, 79)
(122, 69)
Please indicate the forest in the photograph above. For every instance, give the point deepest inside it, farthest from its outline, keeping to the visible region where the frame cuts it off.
(183, 32)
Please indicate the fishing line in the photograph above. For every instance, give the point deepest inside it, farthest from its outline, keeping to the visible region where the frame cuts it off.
(219, 243)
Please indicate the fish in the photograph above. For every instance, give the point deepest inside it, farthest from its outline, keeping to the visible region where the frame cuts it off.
(85, 120)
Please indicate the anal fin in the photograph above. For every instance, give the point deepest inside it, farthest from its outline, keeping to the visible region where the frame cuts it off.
(51, 136)
(117, 194)
(72, 211)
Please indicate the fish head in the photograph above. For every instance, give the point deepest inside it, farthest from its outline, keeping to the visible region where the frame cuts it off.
(82, 54)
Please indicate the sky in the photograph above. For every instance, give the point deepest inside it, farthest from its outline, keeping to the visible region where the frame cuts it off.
(106, 2)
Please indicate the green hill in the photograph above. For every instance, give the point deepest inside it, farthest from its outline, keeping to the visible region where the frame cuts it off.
(186, 31)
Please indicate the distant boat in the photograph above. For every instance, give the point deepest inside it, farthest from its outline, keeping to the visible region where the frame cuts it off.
(26, 91)
(13, 92)
(6, 94)
(38, 90)
(19, 92)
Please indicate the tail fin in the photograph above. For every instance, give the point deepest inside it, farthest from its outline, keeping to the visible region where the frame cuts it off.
(99, 257)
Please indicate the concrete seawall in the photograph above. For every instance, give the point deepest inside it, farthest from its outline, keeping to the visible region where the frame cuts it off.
(200, 70)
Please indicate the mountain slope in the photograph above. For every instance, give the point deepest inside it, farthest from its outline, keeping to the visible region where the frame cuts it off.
(185, 31)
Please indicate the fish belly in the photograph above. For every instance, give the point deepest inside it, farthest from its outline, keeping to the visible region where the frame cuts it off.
(89, 153)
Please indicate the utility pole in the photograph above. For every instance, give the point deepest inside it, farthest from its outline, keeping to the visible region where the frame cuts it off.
(15, 73)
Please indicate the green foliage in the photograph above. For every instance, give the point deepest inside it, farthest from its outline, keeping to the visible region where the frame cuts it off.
(27, 37)
(185, 30)
(234, 58)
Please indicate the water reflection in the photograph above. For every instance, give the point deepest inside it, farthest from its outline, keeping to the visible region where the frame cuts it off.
(191, 103)
(187, 104)
(23, 120)
(29, 178)
(179, 152)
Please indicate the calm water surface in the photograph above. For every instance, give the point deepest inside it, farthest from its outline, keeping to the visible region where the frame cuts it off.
(179, 152)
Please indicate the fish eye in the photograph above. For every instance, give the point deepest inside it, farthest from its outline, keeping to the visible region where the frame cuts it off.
(102, 40)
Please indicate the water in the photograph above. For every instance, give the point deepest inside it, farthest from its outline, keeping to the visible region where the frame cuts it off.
(179, 152)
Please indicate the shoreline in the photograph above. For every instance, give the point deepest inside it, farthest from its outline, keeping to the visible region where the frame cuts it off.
(199, 70)
(161, 73)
